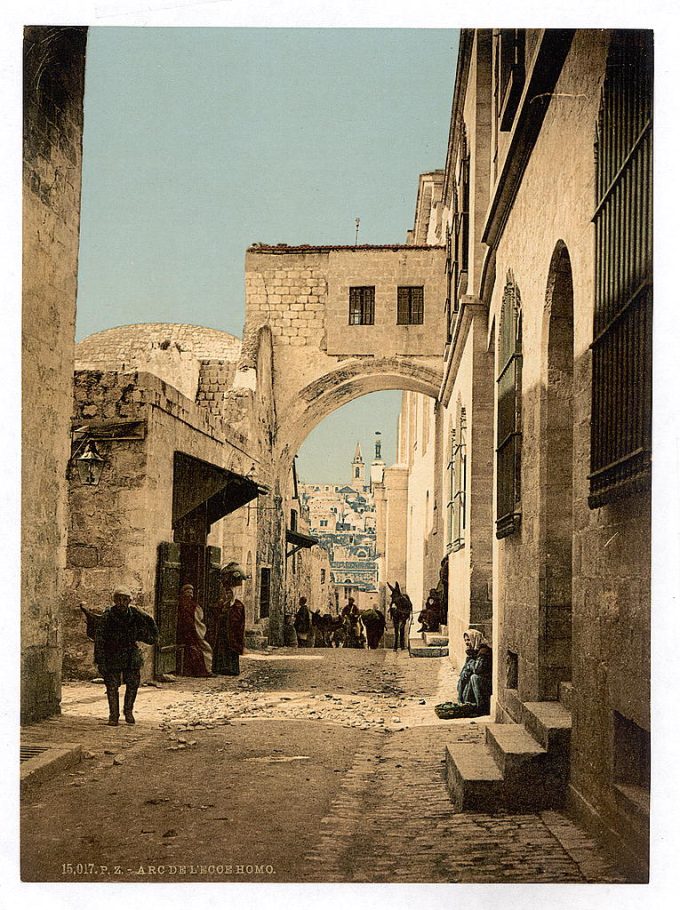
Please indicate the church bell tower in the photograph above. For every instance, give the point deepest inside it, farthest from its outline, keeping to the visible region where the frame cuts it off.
(358, 469)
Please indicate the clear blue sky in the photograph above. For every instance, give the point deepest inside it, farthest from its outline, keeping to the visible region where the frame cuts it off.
(199, 142)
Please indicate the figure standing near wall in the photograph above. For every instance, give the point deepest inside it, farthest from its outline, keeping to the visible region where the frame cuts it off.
(197, 654)
(442, 590)
(303, 625)
(231, 623)
(116, 632)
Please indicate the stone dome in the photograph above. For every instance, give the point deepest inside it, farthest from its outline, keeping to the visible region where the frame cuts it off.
(129, 346)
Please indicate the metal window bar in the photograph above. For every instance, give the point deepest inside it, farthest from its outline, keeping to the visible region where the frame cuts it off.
(361, 306)
(509, 396)
(622, 328)
(450, 502)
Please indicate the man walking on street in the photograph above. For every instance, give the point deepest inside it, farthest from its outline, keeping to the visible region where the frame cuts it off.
(116, 632)
(303, 625)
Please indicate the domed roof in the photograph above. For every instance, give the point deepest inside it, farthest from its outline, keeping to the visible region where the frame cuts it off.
(125, 344)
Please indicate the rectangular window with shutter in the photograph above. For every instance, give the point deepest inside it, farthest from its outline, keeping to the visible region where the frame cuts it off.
(410, 306)
(509, 413)
(362, 306)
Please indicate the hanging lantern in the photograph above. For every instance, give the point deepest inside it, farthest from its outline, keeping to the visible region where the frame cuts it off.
(90, 465)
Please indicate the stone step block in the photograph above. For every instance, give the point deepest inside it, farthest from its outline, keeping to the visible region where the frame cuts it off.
(436, 639)
(513, 747)
(549, 723)
(533, 779)
(473, 779)
(423, 650)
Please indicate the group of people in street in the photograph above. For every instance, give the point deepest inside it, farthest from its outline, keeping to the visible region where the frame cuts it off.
(353, 628)
(214, 647)
(207, 649)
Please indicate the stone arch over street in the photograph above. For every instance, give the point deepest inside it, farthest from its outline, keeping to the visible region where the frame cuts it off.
(342, 322)
(339, 387)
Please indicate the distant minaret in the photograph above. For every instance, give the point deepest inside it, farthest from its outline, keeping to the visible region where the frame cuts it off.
(358, 468)
(377, 465)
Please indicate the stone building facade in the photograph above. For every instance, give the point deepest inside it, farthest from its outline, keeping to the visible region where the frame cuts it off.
(177, 497)
(517, 317)
(54, 73)
(341, 322)
(544, 208)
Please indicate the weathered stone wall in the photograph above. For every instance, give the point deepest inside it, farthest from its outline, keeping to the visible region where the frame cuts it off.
(611, 552)
(557, 205)
(54, 69)
(197, 361)
(470, 568)
(396, 510)
(116, 527)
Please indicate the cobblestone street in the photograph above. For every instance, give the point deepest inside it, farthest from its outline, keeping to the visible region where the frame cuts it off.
(318, 766)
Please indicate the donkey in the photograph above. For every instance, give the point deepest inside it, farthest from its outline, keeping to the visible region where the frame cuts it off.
(401, 609)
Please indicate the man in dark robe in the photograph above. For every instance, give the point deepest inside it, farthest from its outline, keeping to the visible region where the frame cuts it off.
(116, 632)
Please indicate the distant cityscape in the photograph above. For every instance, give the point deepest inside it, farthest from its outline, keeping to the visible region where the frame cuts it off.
(342, 517)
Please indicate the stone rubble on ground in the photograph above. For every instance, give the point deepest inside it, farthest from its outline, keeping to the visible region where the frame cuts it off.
(221, 707)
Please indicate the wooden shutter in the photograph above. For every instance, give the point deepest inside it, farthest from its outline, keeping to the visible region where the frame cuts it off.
(167, 593)
(508, 429)
(402, 306)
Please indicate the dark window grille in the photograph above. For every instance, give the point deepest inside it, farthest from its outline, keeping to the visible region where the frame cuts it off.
(457, 468)
(449, 289)
(509, 74)
(509, 422)
(265, 596)
(452, 482)
(410, 306)
(620, 455)
(362, 306)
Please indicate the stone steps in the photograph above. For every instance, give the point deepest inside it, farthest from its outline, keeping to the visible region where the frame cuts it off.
(429, 644)
(521, 767)
(436, 639)
(420, 649)
(473, 778)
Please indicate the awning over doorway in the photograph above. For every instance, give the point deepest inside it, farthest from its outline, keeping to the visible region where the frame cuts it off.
(299, 541)
(198, 484)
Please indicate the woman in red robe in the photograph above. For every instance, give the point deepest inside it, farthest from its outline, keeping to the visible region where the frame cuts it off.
(191, 635)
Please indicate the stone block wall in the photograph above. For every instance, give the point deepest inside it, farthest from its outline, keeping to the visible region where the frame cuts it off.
(54, 70)
(115, 528)
(214, 382)
(470, 568)
(610, 564)
(396, 506)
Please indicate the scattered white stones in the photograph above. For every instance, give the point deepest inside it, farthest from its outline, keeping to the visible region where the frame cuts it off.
(219, 708)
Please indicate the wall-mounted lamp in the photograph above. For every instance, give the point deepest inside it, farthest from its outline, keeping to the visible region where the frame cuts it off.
(89, 464)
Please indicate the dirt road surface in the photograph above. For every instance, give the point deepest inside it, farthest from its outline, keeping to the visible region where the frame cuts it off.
(316, 766)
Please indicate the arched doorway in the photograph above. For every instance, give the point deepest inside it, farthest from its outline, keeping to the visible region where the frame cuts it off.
(313, 408)
(555, 591)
